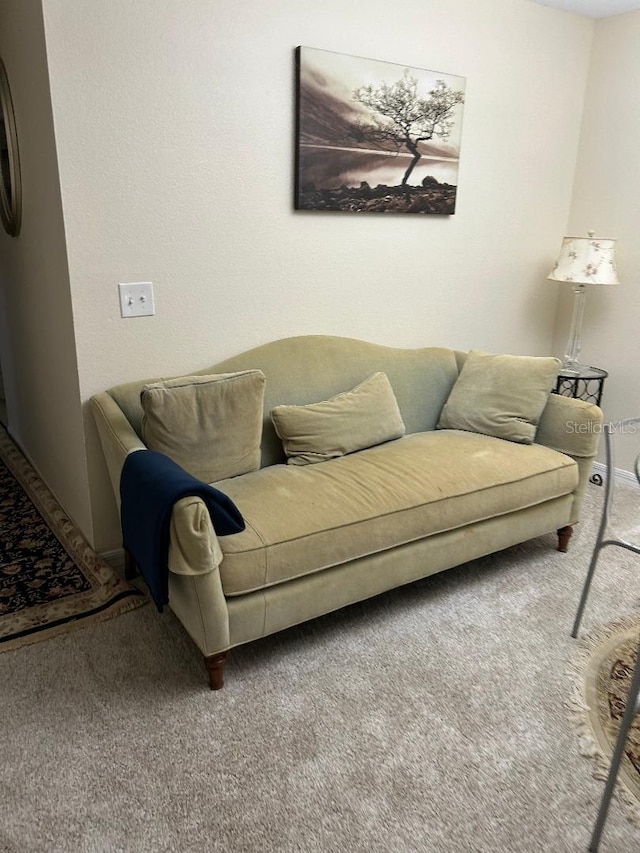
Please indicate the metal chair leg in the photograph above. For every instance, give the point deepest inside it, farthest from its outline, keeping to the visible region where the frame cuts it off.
(630, 711)
(586, 588)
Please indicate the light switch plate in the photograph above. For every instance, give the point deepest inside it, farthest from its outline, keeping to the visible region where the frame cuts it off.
(136, 299)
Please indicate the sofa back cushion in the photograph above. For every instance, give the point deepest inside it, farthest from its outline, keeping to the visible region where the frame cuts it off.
(500, 395)
(309, 368)
(363, 417)
(210, 425)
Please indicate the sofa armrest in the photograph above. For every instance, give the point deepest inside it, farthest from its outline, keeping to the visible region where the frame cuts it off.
(193, 548)
(570, 426)
(117, 437)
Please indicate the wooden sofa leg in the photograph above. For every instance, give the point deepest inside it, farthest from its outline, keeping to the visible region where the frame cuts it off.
(215, 668)
(564, 534)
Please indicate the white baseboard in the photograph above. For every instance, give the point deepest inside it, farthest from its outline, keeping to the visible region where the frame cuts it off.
(624, 478)
(115, 559)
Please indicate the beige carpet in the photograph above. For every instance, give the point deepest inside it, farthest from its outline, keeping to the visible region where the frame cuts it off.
(51, 581)
(432, 719)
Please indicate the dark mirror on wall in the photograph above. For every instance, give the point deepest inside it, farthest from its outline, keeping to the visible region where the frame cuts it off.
(10, 188)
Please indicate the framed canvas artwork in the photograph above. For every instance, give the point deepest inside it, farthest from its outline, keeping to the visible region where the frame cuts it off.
(10, 184)
(375, 137)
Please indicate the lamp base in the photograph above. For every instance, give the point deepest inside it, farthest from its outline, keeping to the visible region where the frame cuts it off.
(571, 363)
(573, 367)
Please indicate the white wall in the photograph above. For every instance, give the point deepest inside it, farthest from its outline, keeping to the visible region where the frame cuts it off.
(37, 345)
(174, 130)
(607, 200)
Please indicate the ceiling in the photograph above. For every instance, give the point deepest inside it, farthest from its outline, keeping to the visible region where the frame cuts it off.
(593, 8)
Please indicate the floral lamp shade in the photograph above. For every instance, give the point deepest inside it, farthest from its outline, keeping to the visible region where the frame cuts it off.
(586, 260)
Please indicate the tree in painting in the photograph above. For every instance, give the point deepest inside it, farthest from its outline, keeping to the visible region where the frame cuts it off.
(402, 118)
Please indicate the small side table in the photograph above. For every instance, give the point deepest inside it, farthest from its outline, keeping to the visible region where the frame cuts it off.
(586, 384)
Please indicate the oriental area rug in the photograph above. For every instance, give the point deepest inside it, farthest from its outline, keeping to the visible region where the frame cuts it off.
(602, 671)
(51, 581)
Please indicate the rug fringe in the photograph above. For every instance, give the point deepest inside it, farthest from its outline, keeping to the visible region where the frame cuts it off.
(578, 710)
(110, 611)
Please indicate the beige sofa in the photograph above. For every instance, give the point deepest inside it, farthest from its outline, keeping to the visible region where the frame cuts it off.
(322, 536)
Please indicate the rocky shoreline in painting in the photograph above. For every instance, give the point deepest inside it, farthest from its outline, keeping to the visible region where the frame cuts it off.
(431, 197)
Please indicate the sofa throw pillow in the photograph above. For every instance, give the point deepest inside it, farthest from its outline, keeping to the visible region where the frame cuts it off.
(210, 425)
(500, 395)
(365, 416)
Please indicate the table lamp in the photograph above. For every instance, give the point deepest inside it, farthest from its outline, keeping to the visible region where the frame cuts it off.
(582, 261)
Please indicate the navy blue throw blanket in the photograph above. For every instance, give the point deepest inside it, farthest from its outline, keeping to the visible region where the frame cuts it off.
(150, 484)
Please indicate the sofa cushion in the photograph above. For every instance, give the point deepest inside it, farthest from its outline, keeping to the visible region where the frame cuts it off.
(500, 395)
(303, 519)
(356, 419)
(210, 425)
